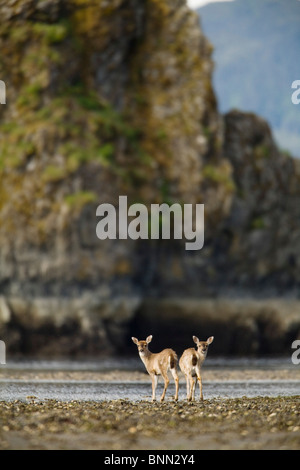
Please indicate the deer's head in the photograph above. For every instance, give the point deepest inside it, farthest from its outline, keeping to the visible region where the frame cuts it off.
(142, 345)
(202, 346)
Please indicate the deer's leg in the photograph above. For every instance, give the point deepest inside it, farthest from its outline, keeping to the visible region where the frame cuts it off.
(199, 378)
(176, 380)
(191, 379)
(167, 381)
(194, 387)
(200, 387)
(154, 379)
(187, 386)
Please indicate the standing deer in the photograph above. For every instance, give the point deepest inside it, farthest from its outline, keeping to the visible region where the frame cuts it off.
(190, 364)
(158, 364)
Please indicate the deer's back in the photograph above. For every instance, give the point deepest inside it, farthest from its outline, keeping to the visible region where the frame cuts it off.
(188, 359)
(163, 360)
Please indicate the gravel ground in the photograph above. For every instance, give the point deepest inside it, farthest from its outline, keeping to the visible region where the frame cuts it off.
(247, 423)
(220, 423)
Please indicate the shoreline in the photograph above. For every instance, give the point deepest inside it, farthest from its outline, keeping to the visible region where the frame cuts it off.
(260, 422)
(210, 375)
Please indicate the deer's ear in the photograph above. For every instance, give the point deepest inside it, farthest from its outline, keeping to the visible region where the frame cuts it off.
(196, 340)
(135, 340)
(149, 339)
(210, 340)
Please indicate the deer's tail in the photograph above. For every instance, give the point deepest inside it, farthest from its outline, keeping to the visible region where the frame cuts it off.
(194, 359)
(173, 360)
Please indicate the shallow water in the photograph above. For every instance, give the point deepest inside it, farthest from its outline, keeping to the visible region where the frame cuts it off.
(97, 390)
(134, 391)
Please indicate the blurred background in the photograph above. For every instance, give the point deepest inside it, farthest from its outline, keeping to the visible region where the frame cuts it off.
(162, 103)
(256, 45)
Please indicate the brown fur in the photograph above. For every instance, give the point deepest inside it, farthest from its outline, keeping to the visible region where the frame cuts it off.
(190, 364)
(194, 360)
(158, 364)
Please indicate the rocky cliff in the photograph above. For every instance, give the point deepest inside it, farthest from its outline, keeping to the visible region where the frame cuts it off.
(115, 98)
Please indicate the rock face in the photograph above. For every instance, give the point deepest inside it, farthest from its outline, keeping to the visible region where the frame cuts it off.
(115, 98)
(264, 219)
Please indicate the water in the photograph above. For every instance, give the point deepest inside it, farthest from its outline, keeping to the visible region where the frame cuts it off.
(97, 390)
(134, 391)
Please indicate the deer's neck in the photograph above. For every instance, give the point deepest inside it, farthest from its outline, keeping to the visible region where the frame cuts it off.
(201, 355)
(145, 356)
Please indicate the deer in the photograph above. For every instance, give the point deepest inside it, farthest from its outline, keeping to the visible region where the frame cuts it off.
(190, 363)
(158, 364)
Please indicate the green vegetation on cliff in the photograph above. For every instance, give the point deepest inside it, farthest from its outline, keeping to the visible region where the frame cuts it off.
(116, 98)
